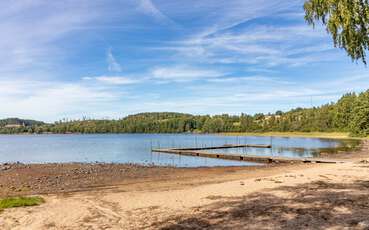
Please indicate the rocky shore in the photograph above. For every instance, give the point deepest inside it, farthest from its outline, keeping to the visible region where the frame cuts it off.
(20, 179)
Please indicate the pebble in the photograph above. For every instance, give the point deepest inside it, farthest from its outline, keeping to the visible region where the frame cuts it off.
(363, 225)
(5, 167)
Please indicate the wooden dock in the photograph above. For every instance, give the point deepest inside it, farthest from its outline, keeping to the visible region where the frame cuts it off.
(226, 147)
(197, 152)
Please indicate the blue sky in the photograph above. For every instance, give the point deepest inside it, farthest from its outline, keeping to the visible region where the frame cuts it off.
(108, 59)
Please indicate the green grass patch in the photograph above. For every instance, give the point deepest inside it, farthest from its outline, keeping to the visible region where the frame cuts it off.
(14, 202)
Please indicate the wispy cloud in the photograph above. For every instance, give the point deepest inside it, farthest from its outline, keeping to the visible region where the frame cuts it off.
(113, 65)
(184, 73)
(28, 38)
(116, 80)
(268, 46)
(252, 96)
(112, 80)
(252, 79)
(148, 7)
(55, 100)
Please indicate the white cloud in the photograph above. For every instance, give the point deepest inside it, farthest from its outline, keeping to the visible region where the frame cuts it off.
(148, 7)
(116, 80)
(113, 65)
(268, 46)
(249, 97)
(229, 34)
(51, 101)
(250, 80)
(112, 80)
(210, 16)
(184, 73)
(29, 30)
(55, 100)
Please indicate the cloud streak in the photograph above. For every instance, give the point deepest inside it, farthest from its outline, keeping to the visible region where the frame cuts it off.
(54, 100)
(149, 8)
(268, 46)
(184, 73)
(113, 65)
(116, 80)
(29, 33)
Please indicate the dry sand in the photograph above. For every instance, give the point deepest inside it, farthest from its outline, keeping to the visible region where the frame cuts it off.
(318, 196)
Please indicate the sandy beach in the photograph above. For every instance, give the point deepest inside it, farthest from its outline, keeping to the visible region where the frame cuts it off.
(304, 196)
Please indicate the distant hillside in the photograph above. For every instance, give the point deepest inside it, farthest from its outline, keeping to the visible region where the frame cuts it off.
(19, 122)
(157, 116)
(17, 125)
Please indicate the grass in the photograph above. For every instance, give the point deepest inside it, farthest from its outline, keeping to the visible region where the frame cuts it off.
(14, 202)
(335, 135)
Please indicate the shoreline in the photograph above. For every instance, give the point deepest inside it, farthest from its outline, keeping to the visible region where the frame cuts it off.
(321, 135)
(52, 178)
(279, 196)
(57, 178)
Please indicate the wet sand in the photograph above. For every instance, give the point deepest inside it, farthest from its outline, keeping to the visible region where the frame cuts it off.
(290, 196)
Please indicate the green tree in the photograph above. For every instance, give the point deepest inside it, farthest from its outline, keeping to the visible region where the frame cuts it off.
(360, 118)
(344, 111)
(346, 20)
(213, 125)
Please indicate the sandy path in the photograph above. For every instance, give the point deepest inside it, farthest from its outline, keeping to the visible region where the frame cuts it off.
(298, 198)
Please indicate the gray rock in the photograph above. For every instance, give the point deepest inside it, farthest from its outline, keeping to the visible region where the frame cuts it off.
(5, 167)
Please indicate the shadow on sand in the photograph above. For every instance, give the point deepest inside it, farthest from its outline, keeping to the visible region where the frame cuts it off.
(317, 205)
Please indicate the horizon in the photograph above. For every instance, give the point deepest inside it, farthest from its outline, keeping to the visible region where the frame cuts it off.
(84, 118)
(114, 59)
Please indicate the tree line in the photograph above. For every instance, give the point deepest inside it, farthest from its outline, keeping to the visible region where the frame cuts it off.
(349, 114)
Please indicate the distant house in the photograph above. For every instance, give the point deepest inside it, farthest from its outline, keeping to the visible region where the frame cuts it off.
(268, 117)
(13, 126)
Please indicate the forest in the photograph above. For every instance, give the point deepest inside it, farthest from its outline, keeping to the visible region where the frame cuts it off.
(349, 114)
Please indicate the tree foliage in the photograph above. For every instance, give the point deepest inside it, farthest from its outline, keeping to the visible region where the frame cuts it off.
(346, 20)
(360, 115)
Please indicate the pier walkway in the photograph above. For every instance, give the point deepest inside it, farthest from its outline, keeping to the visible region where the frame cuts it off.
(200, 152)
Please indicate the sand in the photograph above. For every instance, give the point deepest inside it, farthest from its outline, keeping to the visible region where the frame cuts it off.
(311, 196)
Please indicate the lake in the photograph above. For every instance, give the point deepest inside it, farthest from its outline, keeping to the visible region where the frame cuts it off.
(136, 148)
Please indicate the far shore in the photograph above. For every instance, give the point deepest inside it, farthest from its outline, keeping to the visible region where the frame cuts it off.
(328, 135)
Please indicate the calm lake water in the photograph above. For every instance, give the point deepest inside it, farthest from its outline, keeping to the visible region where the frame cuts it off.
(136, 148)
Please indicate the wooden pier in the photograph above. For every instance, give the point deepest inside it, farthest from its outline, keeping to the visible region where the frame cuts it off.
(199, 152)
(226, 147)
